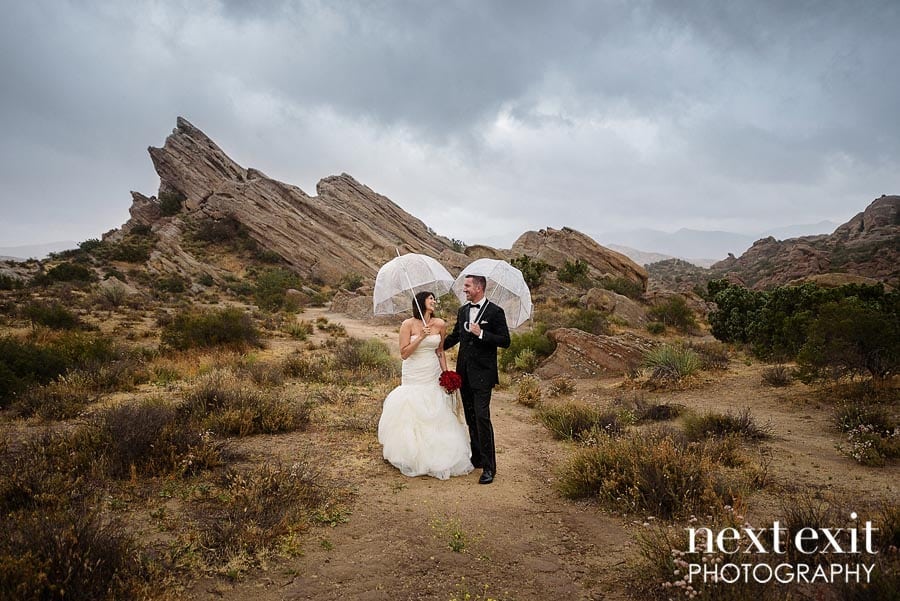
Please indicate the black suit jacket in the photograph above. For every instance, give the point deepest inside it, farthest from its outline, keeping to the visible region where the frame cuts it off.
(477, 359)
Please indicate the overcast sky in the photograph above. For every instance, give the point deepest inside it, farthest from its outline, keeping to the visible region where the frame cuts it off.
(484, 119)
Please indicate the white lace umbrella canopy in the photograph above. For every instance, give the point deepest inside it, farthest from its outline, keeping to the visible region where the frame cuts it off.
(505, 286)
(401, 278)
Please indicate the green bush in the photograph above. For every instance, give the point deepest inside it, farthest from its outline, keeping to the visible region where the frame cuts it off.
(535, 340)
(174, 284)
(10, 283)
(195, 328)
(227, 229)
(588, 320)
(622, 286)
(674, 312)
(170, 202)
(851, 337)
(91, 244)
(575, 273)
(532, 270)
(271, 286)
(66, 272)
(351, 281)
(366, 356)
(656, 328)
(129, 251)
(52, 315)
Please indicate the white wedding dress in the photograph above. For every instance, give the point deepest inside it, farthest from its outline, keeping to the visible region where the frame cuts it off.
(418, 428)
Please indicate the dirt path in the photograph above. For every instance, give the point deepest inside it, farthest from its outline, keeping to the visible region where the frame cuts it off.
(518, 536)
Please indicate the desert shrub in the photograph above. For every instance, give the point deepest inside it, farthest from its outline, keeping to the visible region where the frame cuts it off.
(622, 286)
(267, 256)
(712, 423)
(850, 337)
(271, 286)
(674, 312)
(66, 272)
(151, 437)
(561, 386)
(69, 552)
(532, 270)
(313, 368)
(299, 330)
(713, 355)
(535, 340)
(656, 328)
(575, 273)
(198, 328)
(206, 280)
(227, 405)
(366, 357)
(89, 245)
(130, 250)
(849, 414)
(587, 320)
(173, 283)
(8, 282)
(63, 398)
(671, 363)
(111, 296)
(170, 202)
(226, 229)
(25, 363)
(52, 315)
(335, 329)
(260, 509)
(526, 361)
(778, 375)
(650, 473)
(529, 393)
(351, 281)
(642, 410)
(264, 373)
(576, 421)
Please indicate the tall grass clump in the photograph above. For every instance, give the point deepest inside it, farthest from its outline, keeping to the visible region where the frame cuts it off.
(204, 328)
(643, 410)
(369, 358)
(655, 474)
(713, 423)
(778, 376)
(671, 363)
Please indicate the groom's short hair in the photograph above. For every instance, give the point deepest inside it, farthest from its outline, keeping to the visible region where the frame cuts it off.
(479, 279)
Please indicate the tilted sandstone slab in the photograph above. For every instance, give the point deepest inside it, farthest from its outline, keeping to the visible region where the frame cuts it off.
(584, 355)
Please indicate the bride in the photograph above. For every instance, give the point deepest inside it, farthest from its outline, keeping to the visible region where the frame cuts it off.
(419, 430)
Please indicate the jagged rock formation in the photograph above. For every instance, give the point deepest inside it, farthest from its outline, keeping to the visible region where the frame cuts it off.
(868, 246)
(555, 247)
(346, 228)
(581, 354)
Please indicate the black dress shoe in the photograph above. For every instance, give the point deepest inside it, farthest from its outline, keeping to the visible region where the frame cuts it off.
(487, 476)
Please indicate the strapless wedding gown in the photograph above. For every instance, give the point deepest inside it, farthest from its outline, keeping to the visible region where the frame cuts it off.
(418, 428)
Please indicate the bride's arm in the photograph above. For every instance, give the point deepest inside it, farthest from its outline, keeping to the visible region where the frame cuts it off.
(440, 349)
(407, 346)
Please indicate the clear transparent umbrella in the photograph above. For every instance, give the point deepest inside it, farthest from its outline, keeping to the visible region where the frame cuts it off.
(401, 278)
(505, 286)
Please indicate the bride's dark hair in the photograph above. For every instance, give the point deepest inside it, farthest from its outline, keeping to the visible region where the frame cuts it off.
(420, 302)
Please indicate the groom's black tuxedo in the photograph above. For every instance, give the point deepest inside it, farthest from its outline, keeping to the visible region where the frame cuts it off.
(477, 364)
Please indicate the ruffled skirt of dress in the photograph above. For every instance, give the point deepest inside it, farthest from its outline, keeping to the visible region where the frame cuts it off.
(419, 430)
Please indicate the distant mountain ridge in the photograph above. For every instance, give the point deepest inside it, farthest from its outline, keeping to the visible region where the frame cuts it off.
(703, 247)
(34, 251)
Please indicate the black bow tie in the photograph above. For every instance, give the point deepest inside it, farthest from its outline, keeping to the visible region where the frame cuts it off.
(475, 307)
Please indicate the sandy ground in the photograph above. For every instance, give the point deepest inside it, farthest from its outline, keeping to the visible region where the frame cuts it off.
(520, 538)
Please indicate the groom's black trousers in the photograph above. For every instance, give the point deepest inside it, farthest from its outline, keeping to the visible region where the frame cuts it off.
(477, 406)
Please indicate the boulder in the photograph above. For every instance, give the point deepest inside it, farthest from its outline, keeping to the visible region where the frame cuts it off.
(615, 304)
(583, 355)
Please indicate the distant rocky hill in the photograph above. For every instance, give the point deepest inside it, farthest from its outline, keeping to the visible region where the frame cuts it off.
(866, 246)
(865, 249)
(347, 228)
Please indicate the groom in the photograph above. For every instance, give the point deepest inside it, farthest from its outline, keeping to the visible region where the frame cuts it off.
(480, 329)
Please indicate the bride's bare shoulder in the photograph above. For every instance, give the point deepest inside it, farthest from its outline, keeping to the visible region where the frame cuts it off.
(439, 322)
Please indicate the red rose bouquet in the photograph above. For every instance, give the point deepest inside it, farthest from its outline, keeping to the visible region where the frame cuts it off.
(450, 381)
